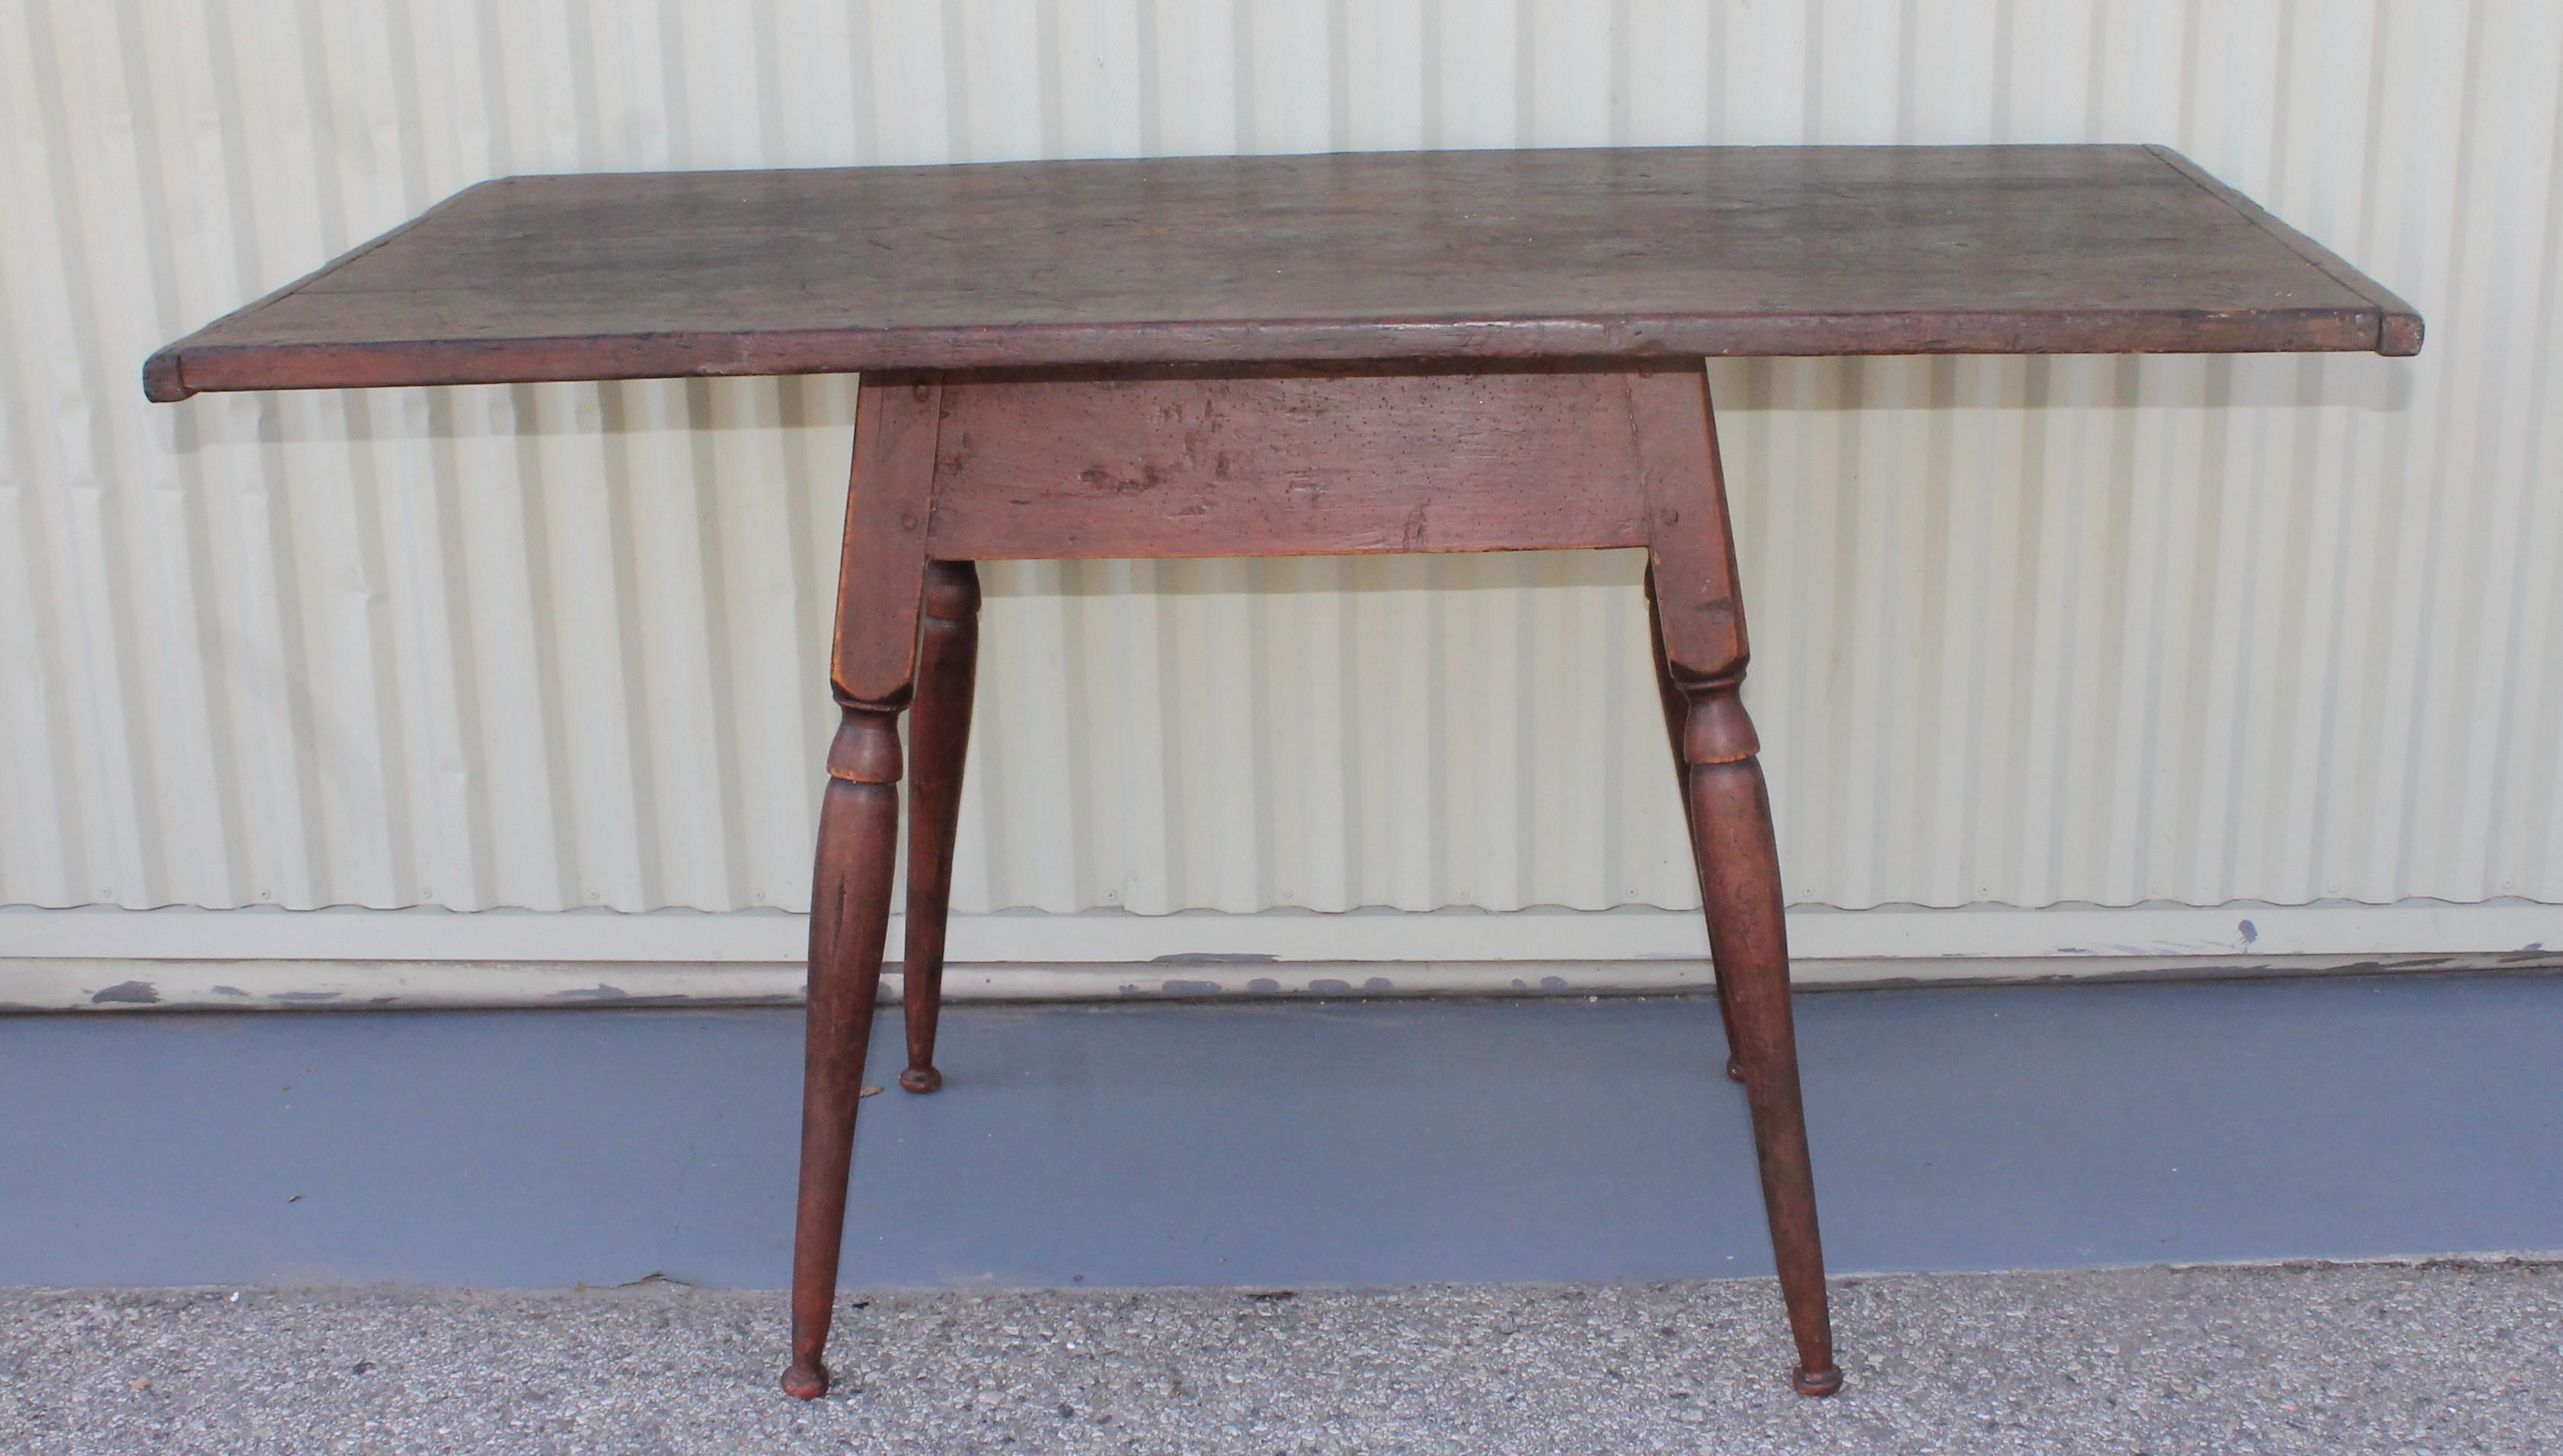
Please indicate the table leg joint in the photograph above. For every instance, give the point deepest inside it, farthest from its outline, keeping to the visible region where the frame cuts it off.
(866, 749)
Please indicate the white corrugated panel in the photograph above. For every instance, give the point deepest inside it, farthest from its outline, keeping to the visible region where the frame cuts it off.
(2091, 630)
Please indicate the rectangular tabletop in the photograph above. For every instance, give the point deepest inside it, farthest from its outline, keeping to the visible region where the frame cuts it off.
(1621, 252)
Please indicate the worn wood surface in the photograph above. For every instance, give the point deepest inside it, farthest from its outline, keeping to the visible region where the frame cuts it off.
(881, 567)
(1624, 252)
(1287, 464)
(1691, 552)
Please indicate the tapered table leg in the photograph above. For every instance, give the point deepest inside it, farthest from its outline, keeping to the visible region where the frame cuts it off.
(1702, 649)
(938, 740)
(849, 919)
(1730, 816)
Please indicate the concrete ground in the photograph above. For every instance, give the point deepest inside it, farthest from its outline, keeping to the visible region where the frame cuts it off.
(2332, 1359)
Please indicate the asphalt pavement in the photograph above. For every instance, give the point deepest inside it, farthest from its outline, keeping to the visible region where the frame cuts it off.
(2334, 1358)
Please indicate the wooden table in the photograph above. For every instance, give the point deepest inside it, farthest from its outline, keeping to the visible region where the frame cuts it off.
(1454, 351)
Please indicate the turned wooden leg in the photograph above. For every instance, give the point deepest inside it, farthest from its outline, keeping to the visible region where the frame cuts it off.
(880, 581)
(938, 739)
(849, 919)
(1700, 639)
(1730, 818)
(1677, 713)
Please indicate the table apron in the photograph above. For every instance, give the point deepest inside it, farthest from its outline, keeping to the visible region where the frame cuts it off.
(1288, 466)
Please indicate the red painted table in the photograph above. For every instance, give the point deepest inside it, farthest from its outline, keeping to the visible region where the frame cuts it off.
(1454, 351)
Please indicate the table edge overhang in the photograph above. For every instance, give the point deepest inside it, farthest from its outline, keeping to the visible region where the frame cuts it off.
(2387, 326)
(184, 369)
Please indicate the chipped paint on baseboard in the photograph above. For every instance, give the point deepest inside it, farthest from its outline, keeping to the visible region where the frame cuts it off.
(1199, 942)
(70, 984)
(121, 959)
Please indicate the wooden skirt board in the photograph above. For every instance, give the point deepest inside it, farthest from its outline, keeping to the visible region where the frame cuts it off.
(1264, 356)
(1309, 465)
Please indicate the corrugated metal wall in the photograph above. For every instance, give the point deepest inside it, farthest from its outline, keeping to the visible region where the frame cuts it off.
(2102, 631)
